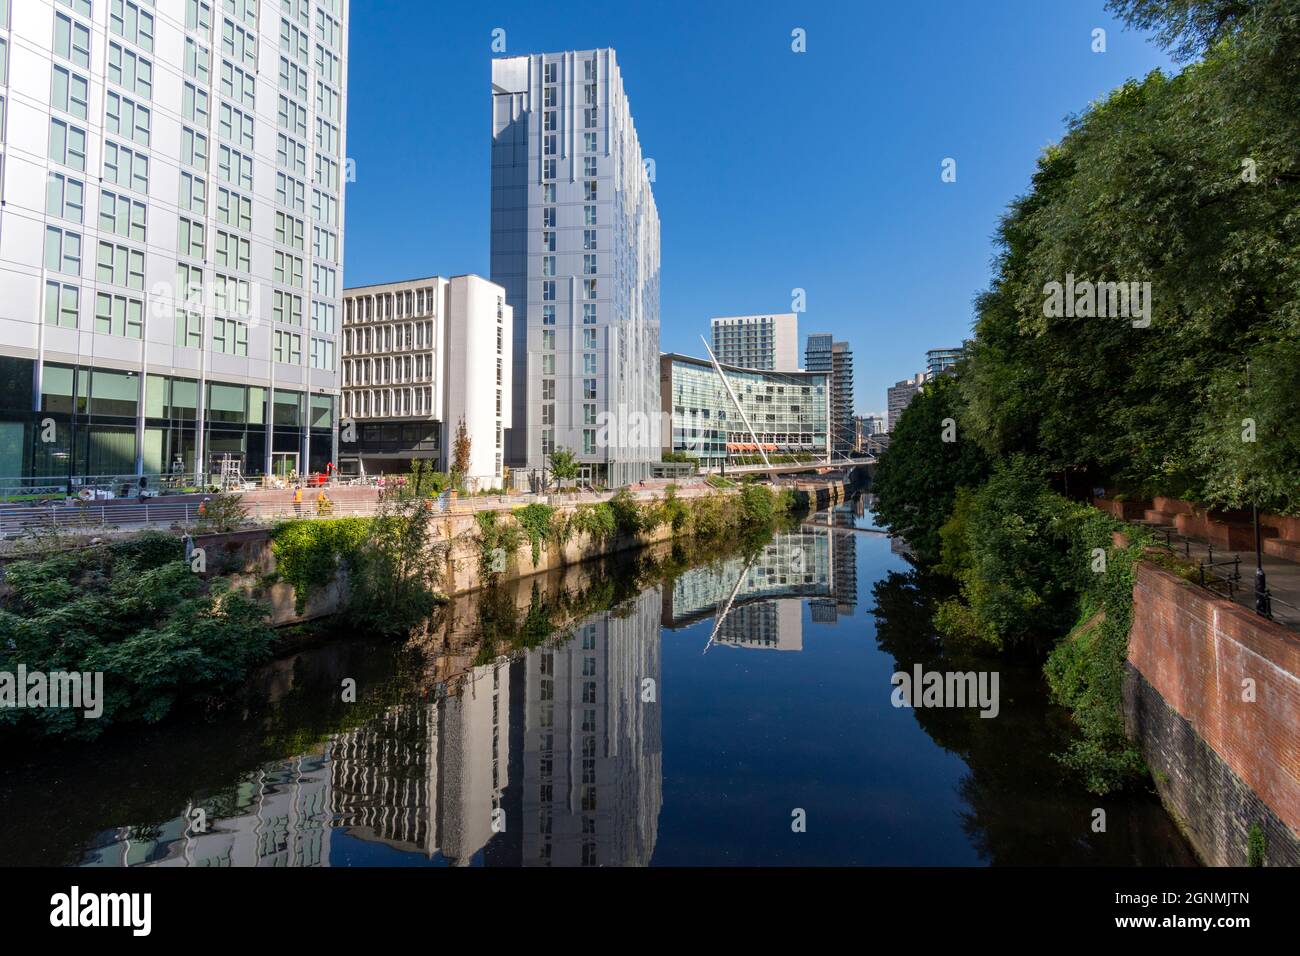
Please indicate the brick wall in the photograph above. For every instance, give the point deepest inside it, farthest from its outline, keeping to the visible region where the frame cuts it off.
(1222, 762)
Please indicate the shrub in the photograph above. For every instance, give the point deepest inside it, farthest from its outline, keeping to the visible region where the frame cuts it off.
(223, 511)
(628, 519)
(496, 538)
(135, 612)
(308, 554)
(536, 521)
(675, 511)
(596, 521)
(393, 584)
(1010, 550)
(1255, 846)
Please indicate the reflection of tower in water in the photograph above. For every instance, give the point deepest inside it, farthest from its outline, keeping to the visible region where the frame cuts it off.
(592, 752)
(427, 777)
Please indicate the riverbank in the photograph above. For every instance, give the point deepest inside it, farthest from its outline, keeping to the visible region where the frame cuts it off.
(159, 630)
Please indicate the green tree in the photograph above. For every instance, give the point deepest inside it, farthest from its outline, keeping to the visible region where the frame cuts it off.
(1188, 183)
(918, 477)
(564, 466)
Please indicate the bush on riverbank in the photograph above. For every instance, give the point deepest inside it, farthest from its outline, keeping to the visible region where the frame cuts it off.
(392, 583)
(308, 553)
(753, 513)
(136, 612)
(395, 575)
(1033, 566)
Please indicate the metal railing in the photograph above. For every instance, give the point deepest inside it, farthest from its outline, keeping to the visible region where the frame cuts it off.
(1210, 574)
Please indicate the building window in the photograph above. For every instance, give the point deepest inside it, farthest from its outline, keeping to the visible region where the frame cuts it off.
(62, 304)
(118, 315)
(62, 251)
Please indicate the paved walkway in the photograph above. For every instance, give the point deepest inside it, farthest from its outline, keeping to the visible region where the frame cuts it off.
(268, 506)
(1282, 576)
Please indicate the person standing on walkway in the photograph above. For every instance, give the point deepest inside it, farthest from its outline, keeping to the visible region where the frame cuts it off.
(297, 500)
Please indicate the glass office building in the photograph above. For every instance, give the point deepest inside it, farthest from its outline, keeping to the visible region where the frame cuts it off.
(170, 237)
(785, 414)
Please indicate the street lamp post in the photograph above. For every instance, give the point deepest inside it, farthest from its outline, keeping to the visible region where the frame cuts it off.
(1263, 604)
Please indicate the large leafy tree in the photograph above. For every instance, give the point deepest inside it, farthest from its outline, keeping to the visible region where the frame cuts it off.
(928, 459)
(1190, 183)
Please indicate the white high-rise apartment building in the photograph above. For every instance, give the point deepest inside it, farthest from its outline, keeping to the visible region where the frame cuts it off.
(420, 357)
(575, 244)
(757, 341)
(171, 237)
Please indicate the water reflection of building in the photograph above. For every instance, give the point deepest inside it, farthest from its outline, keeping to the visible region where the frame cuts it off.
(793, 564)
(771, 625)
(565, 740)
(592, 774)
(427, 778)
(421, 777)
(759, 600)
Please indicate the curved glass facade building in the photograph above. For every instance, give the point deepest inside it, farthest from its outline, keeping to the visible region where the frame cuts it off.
(785, 414)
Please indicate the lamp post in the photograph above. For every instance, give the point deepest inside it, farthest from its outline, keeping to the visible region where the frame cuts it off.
(1263, 604)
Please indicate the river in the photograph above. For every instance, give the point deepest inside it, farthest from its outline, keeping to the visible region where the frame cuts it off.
(663, 708)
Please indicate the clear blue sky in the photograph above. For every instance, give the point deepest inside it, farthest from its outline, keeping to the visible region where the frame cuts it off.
(774, 170)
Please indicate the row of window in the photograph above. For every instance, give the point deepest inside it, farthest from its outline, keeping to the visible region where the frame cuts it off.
(589, 289)
(549, 236)
(588, 314)
(388, 402)
(386, 338)
(388, 370)
(389, 305)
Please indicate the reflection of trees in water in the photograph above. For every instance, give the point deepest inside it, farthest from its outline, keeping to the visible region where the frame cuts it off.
(1022, 807)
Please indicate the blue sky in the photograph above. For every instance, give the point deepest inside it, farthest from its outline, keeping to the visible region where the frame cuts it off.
(774, 169)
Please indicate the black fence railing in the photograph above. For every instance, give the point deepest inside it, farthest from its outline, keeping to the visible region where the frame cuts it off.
(1214, 575)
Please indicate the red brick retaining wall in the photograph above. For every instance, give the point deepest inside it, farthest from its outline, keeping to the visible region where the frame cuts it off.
(1195, 651)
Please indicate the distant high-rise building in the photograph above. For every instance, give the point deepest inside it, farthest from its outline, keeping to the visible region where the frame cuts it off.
(938, 361)
(824, 354)
(900, 395)
(757, 341)
(170, 255)
(575, 244)
(865, 428)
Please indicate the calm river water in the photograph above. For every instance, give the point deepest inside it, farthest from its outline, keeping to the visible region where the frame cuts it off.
(661, 709)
